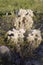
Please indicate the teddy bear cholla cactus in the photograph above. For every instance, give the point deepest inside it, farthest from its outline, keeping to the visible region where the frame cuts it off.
(24, 12)
(24, 19)
(33, 39)
(15, 36)
(25, 42)
(23, 38)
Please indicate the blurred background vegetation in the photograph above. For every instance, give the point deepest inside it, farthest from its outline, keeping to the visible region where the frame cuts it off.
(11, 5)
